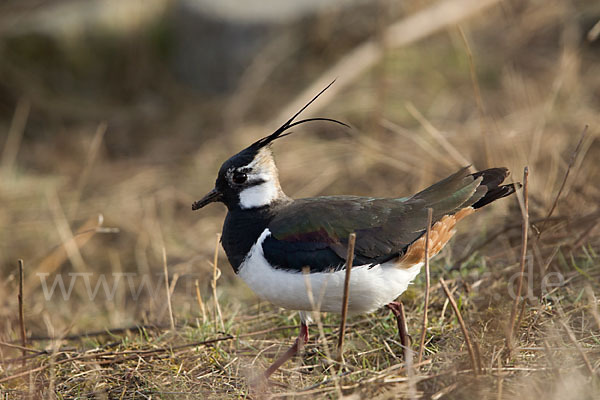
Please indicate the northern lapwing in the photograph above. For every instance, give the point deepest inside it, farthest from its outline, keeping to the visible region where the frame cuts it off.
(270, 239)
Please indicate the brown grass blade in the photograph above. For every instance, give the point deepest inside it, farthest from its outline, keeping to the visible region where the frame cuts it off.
(21, 313)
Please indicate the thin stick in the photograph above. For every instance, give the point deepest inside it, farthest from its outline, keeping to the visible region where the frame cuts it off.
(427, 285)
(167, 288)
(562, 186)
(200, 302)
(525, 221)
(21, 313)
(213, 284)
(461, 322)
(349, 261)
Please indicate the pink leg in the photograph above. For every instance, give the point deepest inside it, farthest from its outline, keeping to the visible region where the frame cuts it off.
(292, 351)
(398, 310)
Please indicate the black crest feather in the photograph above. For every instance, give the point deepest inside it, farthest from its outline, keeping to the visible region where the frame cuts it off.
(280, 132)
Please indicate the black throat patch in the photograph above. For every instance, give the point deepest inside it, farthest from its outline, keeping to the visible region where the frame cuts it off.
(241, 230)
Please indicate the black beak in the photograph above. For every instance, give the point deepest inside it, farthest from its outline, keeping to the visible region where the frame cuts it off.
(212, 196)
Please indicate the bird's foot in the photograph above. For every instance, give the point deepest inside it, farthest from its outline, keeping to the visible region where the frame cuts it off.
(301, 340)
(398, 310)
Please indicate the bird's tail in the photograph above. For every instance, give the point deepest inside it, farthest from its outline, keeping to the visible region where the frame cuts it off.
(452, 199)
(492, 179)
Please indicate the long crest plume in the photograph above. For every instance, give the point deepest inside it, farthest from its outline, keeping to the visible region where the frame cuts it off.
(281, 131)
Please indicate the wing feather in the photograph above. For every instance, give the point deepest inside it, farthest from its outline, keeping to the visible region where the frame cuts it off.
(314, 232)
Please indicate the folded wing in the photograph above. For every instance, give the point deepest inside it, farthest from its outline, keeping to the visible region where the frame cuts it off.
(314, 232)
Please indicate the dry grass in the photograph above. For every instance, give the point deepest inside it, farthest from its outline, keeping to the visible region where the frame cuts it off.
(538, 81)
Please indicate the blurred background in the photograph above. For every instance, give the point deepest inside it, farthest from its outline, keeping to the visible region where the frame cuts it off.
(116, 115)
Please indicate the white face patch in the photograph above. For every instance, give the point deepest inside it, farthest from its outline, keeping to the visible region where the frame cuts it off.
(259, 195)
(262, 181)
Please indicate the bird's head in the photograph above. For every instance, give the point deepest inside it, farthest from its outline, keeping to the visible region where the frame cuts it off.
(250, 179)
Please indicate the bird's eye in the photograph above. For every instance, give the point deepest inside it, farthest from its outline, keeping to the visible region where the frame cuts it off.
(239, 178)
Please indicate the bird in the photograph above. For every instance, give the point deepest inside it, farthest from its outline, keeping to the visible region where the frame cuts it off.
(293, 251)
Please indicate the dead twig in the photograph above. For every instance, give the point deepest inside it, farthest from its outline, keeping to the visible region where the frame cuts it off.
(21, 313)
(349, 261)
(474, 362)
(427, 285)
(525, 222)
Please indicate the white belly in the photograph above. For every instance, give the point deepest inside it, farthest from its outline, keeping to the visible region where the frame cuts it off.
(370, 288)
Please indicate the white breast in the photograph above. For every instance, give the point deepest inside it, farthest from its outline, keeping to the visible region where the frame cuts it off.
(370, 288)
